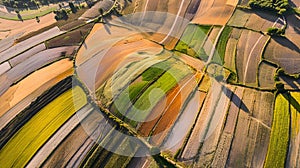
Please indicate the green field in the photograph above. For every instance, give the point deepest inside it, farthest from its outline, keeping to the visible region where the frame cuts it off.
(30, 14)
(155, 92)
(192, 40)
(26, 142)
(279, 139)
(135, 89)
(219, 55)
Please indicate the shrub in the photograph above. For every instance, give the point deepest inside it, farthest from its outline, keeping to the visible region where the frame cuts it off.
(61, 15)
(274, 31)
(278, 6)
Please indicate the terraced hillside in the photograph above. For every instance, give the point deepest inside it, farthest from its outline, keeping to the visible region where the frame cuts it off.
(165, 83)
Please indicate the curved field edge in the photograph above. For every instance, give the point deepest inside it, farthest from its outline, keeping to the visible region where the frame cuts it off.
(30, 137)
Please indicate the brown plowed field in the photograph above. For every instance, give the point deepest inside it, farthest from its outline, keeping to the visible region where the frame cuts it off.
(34, 85)
(215, 12)
(248, 56)
(252, 132)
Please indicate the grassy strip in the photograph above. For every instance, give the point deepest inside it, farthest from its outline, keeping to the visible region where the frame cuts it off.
(136, 89)
(219, 55)
(23, 117)
(29, 16)
(279, 139)
(26, 142)
(155, 92)
(192, 39)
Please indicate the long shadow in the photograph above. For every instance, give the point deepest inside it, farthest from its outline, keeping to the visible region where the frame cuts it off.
(294, 22)
(292, 101)
(290, 81)
(287, 43)
(20, 17)
(292, 4)
(106, 25)
(266, 15)
(235, 99)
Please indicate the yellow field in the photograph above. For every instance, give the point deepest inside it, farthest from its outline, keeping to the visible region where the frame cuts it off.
(279, 139)
(295, 116)
(25, 143)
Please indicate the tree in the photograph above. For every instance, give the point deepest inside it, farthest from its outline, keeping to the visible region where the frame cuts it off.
(274, 31)
(73, 8)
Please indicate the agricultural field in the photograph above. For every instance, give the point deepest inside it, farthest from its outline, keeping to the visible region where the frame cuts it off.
(62, 108)
(148, 84)
(215, 12)
(258, 20)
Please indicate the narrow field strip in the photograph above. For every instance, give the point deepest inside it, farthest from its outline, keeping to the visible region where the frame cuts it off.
(58, 137)
(294, 147)
(19, 119)
(17, 97)
(32, 64)
(125, 75)
(75, 146)
(119, 161)
(23, 145)
(143, 106)
(279, 139)
(27, 44)
(131, 94)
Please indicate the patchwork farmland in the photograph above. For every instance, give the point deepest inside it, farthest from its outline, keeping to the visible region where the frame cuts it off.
(164, 83)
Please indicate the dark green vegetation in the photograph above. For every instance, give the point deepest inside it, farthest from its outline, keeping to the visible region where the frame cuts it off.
(192, 41)
(28, 4)
(61, 15)
(274, 31)
(278, 6)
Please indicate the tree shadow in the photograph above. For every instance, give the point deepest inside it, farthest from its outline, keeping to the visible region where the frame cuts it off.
(287, 43)
(235, 99)
(266, 15)
(20, 17)
(290, 81)
(292, 100)
(294, 22)
(292, 4)
(106, 25)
